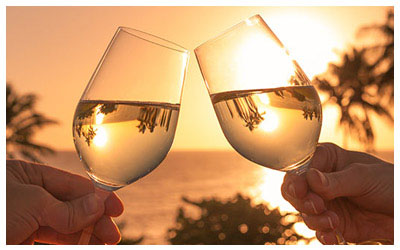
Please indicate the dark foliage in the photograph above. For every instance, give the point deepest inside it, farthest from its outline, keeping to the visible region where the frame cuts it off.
(235, 221)
(128, 241)
(362, 84)
(22, 121)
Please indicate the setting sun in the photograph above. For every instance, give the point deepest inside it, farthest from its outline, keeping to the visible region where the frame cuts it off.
(312, 55)
(263, 63)
(187, 150)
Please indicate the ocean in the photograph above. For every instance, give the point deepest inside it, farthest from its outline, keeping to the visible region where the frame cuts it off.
(151, 204)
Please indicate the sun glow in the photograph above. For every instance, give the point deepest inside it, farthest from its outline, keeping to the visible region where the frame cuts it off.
(264, 99)
(270, 122)
(101, 137)
(268, 191)
(309, 41)
(271, 119)
(99, 116)
(262, 63)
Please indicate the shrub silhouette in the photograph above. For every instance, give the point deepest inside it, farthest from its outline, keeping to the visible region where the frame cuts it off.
(235, 221)
(128, 241)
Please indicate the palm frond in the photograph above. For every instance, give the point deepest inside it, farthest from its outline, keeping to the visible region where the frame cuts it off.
(348, 83)
(22, 121)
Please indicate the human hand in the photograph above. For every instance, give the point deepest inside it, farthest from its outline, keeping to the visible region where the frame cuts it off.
(348, 191)
(52, 206)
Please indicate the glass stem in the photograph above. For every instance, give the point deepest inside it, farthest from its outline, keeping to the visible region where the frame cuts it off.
(301, 170)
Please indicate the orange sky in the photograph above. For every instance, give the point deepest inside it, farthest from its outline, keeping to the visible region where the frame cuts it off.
(53, 51)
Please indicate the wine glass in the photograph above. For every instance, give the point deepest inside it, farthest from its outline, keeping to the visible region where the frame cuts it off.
(125, 121)
(265, 104)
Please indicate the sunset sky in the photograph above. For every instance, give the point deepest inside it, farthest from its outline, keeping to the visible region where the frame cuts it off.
(53, 51)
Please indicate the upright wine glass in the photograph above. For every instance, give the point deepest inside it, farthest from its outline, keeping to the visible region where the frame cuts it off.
(125, 121)
(265, 104)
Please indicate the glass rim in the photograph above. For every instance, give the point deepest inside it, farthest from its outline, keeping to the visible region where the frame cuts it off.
(153, 39)
(249, 21)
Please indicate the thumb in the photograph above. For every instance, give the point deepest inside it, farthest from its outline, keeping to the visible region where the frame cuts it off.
(347, 182)
(72, 216)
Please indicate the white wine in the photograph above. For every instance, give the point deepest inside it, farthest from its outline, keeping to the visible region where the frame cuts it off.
(276, 128)
(120, 142)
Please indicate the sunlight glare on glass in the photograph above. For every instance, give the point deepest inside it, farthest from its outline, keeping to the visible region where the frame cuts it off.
(101, 137)
(251, 21)
(270, 122)
(262, 63)
(264, 99)
(99, 116)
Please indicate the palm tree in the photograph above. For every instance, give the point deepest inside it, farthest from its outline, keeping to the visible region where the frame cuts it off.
(22, 121)
(384, 52)
(360, 87)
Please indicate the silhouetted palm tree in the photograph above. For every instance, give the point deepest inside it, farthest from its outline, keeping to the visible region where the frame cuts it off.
(384, 52)
(361, 87)
(22, 121)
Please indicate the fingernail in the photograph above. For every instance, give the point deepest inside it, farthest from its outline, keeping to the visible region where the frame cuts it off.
(292, 191)
(330, 222)
(310, 204)
(322, 177)
(90, 204)
(323, 241)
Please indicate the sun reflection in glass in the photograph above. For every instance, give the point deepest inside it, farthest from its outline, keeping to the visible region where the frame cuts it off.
(99, 116)
(271, 119)
(101, 137)
(270, 122)
(264, 99)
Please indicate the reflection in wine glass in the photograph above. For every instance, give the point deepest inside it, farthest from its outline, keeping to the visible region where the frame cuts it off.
(265, 104)
(125, 121)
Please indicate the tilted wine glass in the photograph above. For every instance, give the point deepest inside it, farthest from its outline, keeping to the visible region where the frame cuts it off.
(125, 121)
(265, 104)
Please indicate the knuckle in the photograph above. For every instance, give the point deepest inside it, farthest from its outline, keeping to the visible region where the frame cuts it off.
(329, 196)
(329, 146)
(284, 195)
(283, 190)
(71, 226)
(326, 192)
(329, 192)
(363, 171)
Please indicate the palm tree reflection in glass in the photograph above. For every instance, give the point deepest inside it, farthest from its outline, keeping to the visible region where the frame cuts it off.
(125, 121)
(265, 104)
